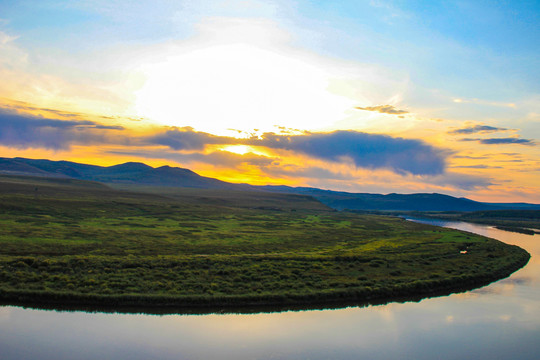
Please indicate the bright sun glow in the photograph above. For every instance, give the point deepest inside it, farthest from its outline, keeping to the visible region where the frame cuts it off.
(238, 86)
(238, 149)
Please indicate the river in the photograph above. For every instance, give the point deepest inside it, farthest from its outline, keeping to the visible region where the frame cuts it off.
(499, 321)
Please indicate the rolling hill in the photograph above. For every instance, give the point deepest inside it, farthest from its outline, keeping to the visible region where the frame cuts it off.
(127, 173)
(137, 176)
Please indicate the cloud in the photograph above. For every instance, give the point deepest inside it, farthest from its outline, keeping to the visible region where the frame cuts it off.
(471, 157)
(25, 131)
(495, 141)
(501, 141)
(5, 38)
(461, 181)
(228, 159)
(477, 129)
(384, 109)
(365, 150)
(216, 158)
(484, 102)
(187, 139)
(17, 106)
(511, 161)
(477, 167)
(24, 109)
(311, 172)
(108, 127)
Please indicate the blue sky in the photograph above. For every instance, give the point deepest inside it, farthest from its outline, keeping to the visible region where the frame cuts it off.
(433, 39)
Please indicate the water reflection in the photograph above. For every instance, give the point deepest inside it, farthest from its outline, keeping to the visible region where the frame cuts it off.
(500, 321)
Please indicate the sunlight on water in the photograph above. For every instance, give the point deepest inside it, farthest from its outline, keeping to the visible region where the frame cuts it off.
(499, 321)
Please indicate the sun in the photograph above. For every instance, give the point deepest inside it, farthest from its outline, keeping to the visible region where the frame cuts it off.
(238, 86)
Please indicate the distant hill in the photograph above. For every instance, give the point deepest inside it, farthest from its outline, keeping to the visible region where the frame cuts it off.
(398, 202)
(141, 175)
(128, 173)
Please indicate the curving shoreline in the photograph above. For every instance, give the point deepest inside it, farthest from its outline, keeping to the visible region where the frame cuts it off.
(163, 304)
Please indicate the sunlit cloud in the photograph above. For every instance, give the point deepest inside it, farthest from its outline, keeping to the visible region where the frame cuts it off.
(484, 102)
(384, 109)
(238, 149)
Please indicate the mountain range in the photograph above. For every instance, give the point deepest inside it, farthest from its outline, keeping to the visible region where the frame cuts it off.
(135, 173)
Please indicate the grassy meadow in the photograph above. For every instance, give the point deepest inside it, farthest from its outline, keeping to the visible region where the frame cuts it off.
(68, 242)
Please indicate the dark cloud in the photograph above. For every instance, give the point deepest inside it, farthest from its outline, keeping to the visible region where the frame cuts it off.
(384, 109)
(365, 150)
(477, 129)
(313, 172)
(24, 131)
(494, 156)
(511, 161)
(496, 141)
(477, 167)
(499, 141)
(108, 127)
(461, 181)
(187, 139)
(471, 157)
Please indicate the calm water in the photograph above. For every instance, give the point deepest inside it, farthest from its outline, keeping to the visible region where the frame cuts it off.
(499, 321)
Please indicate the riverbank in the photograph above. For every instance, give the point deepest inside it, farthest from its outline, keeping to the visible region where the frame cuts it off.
(167, 304)
(520, 221)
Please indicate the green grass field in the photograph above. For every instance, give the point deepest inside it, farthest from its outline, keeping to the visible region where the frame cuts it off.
(67, 242)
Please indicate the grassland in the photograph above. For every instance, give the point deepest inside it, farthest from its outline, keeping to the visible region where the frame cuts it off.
(67, 242)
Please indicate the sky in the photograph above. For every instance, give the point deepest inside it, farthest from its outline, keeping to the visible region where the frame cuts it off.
(362, 96)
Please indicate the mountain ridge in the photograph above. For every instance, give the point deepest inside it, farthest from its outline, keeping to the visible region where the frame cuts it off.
(137, 173)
